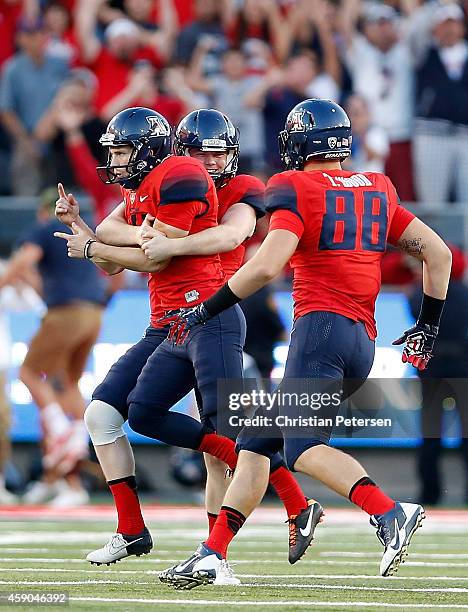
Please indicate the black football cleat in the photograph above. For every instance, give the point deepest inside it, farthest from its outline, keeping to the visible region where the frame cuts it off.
(302, 528)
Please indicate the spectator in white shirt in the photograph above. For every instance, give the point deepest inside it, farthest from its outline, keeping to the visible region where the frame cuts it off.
(379, 60)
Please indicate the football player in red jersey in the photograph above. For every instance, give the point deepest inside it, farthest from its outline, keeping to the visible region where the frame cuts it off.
(334, 226)
(209, 136)
(108, 409)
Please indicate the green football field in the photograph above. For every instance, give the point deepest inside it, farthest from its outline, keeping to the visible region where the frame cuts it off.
(38, 552)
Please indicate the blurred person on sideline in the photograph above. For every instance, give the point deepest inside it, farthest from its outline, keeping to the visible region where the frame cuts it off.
(445, 379)
(264, 329)
(370, 146)
(14, 297)
(74, 295)
(30, 80)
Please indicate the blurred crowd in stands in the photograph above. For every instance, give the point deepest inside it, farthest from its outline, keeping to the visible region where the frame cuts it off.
(399, 67)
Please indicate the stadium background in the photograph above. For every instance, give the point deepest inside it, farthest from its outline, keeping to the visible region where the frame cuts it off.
(253, 60)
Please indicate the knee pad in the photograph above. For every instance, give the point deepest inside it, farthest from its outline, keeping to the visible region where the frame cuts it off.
(294, 447)
(104, 423)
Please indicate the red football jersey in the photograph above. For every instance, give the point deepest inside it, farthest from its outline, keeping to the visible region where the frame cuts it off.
(180, 193)
(344, 221)
(249, 190)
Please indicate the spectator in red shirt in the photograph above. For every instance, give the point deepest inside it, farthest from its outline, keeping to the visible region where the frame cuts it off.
(143, 89)
(10, 12)
(125, 43)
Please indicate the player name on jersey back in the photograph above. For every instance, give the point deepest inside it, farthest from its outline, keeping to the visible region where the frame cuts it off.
(343, 221)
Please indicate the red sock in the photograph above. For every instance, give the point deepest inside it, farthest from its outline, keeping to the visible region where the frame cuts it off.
(220, 447)
(367, 495)
(127, 503)
(228, 523)
(288, 490)
(211, 521)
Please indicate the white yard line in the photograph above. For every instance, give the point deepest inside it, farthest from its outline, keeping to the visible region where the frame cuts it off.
(232, 561)
(326, 587)
(115, 572)
(228, 603)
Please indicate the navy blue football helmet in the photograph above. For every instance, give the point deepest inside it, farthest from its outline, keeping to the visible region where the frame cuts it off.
(147, 132)
(314, 129)
(209, 130)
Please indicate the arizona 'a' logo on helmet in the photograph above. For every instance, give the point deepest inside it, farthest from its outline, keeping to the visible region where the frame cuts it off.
(209, 130)
(314, 129)
(149, 135)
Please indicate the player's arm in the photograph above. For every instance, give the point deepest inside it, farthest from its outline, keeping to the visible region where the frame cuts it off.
(237, 224)
(421, 242)
(130, 258)
(111, 259)
(114, 229)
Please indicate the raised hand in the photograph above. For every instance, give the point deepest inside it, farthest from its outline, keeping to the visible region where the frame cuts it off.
(67, 209)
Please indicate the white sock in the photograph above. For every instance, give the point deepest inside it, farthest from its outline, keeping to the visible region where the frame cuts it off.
(55, 420)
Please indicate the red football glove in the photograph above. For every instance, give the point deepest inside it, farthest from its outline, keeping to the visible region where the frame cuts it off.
(419, 342)
(182, 321)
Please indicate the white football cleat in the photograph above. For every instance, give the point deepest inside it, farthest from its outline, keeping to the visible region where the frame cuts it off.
(205, 566)
(121, 546)
(395, 529)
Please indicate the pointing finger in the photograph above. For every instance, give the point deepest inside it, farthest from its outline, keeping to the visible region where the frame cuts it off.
(61, 190)
(62, 235)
